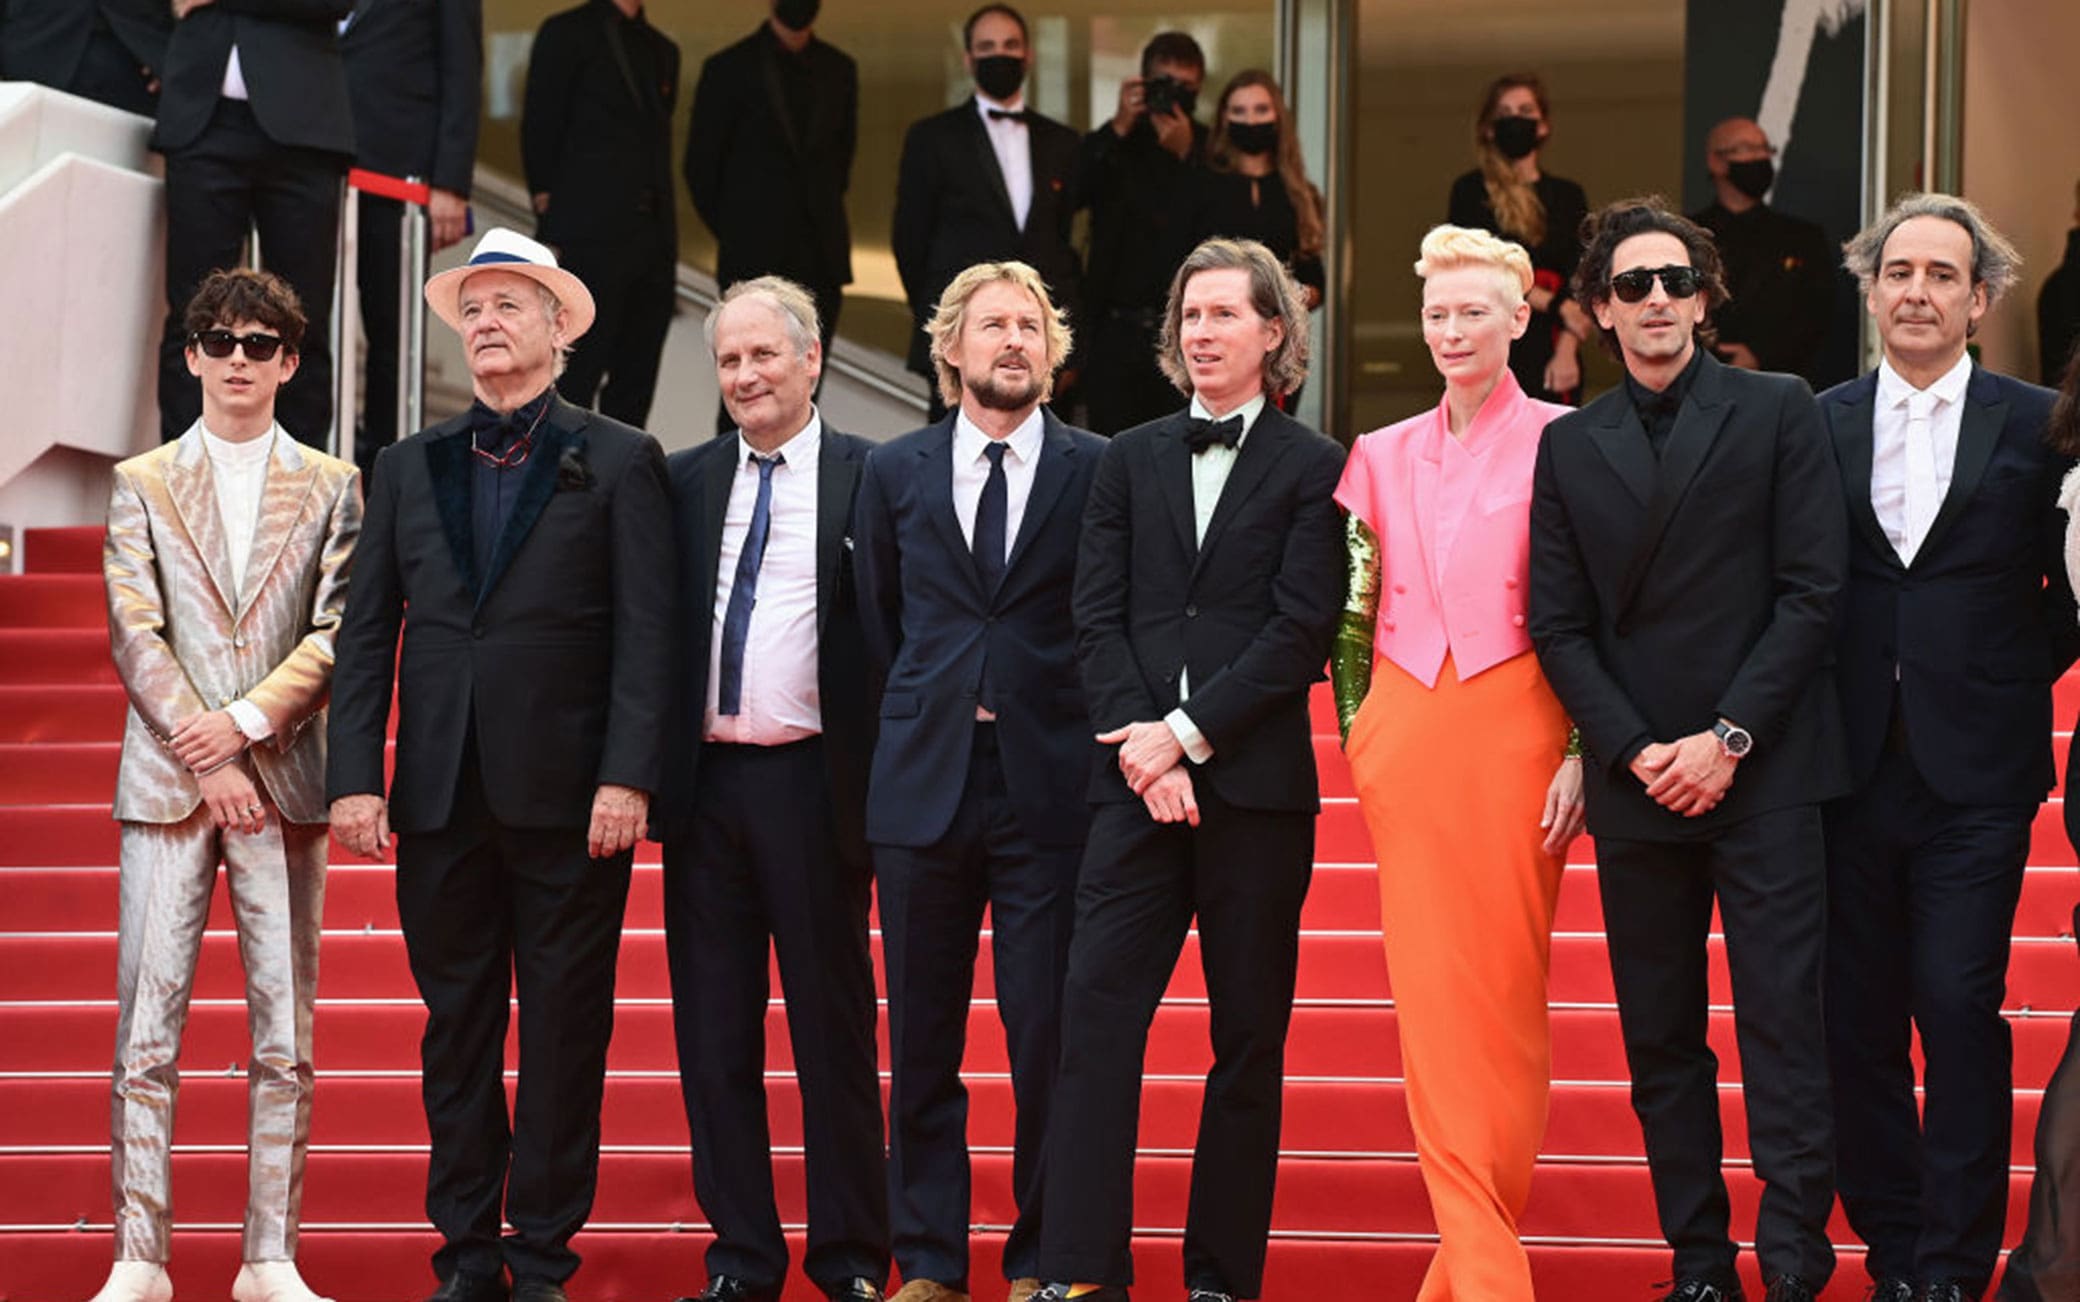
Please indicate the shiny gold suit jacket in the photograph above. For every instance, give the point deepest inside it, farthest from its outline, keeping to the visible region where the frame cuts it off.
(184, 642)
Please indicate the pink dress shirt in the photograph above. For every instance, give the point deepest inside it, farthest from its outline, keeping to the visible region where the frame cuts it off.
(1453, 519)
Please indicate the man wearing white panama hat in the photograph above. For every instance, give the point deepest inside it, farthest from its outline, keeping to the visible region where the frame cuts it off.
(531, 542)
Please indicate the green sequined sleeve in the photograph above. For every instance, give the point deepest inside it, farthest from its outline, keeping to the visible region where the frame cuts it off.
(1350, 659)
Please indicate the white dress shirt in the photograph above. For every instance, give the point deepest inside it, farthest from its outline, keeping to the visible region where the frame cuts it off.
(971, 472)
(1209, 476)
(238, 473)
(782, 701)
(235, 77)
(1914, 451)
(1014, 149)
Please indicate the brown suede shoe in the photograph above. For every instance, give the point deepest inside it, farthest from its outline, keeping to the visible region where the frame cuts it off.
(926, 1290)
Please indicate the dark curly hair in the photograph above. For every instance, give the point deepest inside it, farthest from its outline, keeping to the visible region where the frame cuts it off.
(226, 298)
(1613, 224)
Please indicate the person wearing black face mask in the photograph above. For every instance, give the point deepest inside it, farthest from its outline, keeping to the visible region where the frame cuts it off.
(1779, 271)
(987, 180)
(1134, 168)
(769, 153)
(1257, 186)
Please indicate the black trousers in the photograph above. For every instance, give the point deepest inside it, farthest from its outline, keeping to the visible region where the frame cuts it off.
(217, 187)
(830, 299)
(1768, 875)
(1122, 384)
(108, 72)
(634, 288)
(757, 859)
(931, 912)
(2045, 1266)
(485, 908)
(1921, 906)
(380, 253)
(1244, 873)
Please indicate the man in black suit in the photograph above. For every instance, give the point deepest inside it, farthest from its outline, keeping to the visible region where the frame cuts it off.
(531, 541)
(1207, 589)
(255, 125)
(1687, 549)
(1955, 622)
(765, 787)
(106, 50)
(596, 144)
(415, 73)
(987, 180)
(968, 531)
(769, 158)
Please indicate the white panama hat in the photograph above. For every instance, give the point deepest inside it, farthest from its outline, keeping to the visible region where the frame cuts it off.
(504, 249)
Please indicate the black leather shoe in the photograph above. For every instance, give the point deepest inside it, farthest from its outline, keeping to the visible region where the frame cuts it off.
(857, 1289)
(1204, 1295)
(728, 1288)
(1695, 1288)
(1948, 1291)
(530, 1289)
(468, 1286)
(1789, 1288)
(1889, 1289)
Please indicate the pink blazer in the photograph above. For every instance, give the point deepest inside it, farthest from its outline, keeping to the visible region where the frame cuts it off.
(1453, 518)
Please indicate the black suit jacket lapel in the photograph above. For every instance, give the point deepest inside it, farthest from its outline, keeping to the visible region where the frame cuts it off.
(1174, 479)
(1622, 441)
(1260, 450)
(1854, 431)
(1050, 476)
(448, 470)
(719, 472)
(937, 502)
(1697, 427)
(1978, 432)
(837, 475)
(977, 133)
(562, 431)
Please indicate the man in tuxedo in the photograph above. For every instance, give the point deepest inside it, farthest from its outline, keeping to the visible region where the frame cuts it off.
(1687, 549)
(1956, 620)
(256, 127)
(596, 145)
(987, 180)
(967, 551)
(106, 50)
(765, 784)
(1207, 588)
(531, 541)
(769, 158)
(415, 73)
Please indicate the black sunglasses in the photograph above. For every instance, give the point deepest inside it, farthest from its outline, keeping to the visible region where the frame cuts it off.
(219, 343)
(1634, 285)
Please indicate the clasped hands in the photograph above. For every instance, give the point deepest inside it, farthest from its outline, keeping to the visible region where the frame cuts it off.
(1687, 776)
(619, 814)
(1152, 761)
(207, 743)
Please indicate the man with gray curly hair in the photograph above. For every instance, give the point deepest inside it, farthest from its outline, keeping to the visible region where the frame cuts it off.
(1957, 617)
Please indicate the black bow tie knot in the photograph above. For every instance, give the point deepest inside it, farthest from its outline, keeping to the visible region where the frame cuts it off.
(1201, 433)
(1006, 115)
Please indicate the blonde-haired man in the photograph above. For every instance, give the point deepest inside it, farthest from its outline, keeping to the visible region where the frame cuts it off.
(966, 548)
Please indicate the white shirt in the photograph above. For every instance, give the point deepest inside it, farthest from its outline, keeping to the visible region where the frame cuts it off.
(781, 700)
(238, 473)
(1014, 149)
(971, 473)
(1209, 476)
(1892, 462)
(235, 77)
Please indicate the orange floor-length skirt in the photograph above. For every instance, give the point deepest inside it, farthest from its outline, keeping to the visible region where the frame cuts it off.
(1452, 781)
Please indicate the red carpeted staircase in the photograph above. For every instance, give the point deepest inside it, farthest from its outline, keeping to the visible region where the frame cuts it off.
(1351, 1219)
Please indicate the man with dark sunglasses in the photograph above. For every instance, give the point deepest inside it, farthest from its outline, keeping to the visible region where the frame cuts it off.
(1687, 547)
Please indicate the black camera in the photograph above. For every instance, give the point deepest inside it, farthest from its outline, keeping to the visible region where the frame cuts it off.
(1165, 95)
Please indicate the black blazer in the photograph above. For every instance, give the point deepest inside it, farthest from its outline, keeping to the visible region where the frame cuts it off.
(559, 658)
(289, 52)
(953, 211)
(930, 625)
(415, 72)
(772, 189)
(700, 479)
(1251, 612)
(44, 40)
(1982, 623)
(1665, 595)
(595, 133)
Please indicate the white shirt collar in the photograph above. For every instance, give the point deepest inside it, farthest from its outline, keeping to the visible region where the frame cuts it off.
(1948, 389)
(1022, 444)
(239, 456)
(799, 452)
(1249, 411)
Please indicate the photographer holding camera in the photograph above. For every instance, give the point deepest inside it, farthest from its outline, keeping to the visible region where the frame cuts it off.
(1138, 170)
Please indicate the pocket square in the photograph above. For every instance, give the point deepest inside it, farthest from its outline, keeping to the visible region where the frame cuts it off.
(572, 472)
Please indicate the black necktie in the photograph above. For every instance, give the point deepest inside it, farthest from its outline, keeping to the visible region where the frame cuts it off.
(990, 512)
(1006, 115)
(743, 592)
(1202, 433)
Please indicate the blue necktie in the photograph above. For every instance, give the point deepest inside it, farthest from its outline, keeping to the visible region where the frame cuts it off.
(990, 511)
(743, 593)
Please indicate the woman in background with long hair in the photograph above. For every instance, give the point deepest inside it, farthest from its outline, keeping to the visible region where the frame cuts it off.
(1256, 185)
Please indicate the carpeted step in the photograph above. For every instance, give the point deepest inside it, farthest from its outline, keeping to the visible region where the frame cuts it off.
(44, 712)
(55, 655)
(66, 550)
(53, 601)
(49, 772)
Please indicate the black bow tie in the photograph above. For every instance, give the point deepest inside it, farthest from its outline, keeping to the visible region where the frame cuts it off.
(1201, 433)
(1006, 115)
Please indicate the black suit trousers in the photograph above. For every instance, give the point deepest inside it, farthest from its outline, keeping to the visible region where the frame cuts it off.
(1122, 384)
(634, 288)
(932, 901)
(380, 250)
(1244, 873)
(1921, 906)
(1768, 875)
(758, 858)
(108, 73)
(230, 178)
(486, 907)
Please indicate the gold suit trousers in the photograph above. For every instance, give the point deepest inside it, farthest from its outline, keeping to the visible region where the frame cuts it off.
(277, 883)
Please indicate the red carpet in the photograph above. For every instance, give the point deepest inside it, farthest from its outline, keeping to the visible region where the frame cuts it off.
(1351, 1219)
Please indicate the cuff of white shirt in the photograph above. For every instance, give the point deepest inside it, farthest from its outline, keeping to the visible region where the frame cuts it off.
(1196, 748)
(250, 720)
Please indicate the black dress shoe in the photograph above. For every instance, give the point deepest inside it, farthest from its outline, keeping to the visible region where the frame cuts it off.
(728, 1288)
(534, 1289)
(1204, 1295)
(1890, 1289)
(1695, 1288)
(1789, 1288)
(857, 1289)
(1948, 1291)
(468, 1286)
